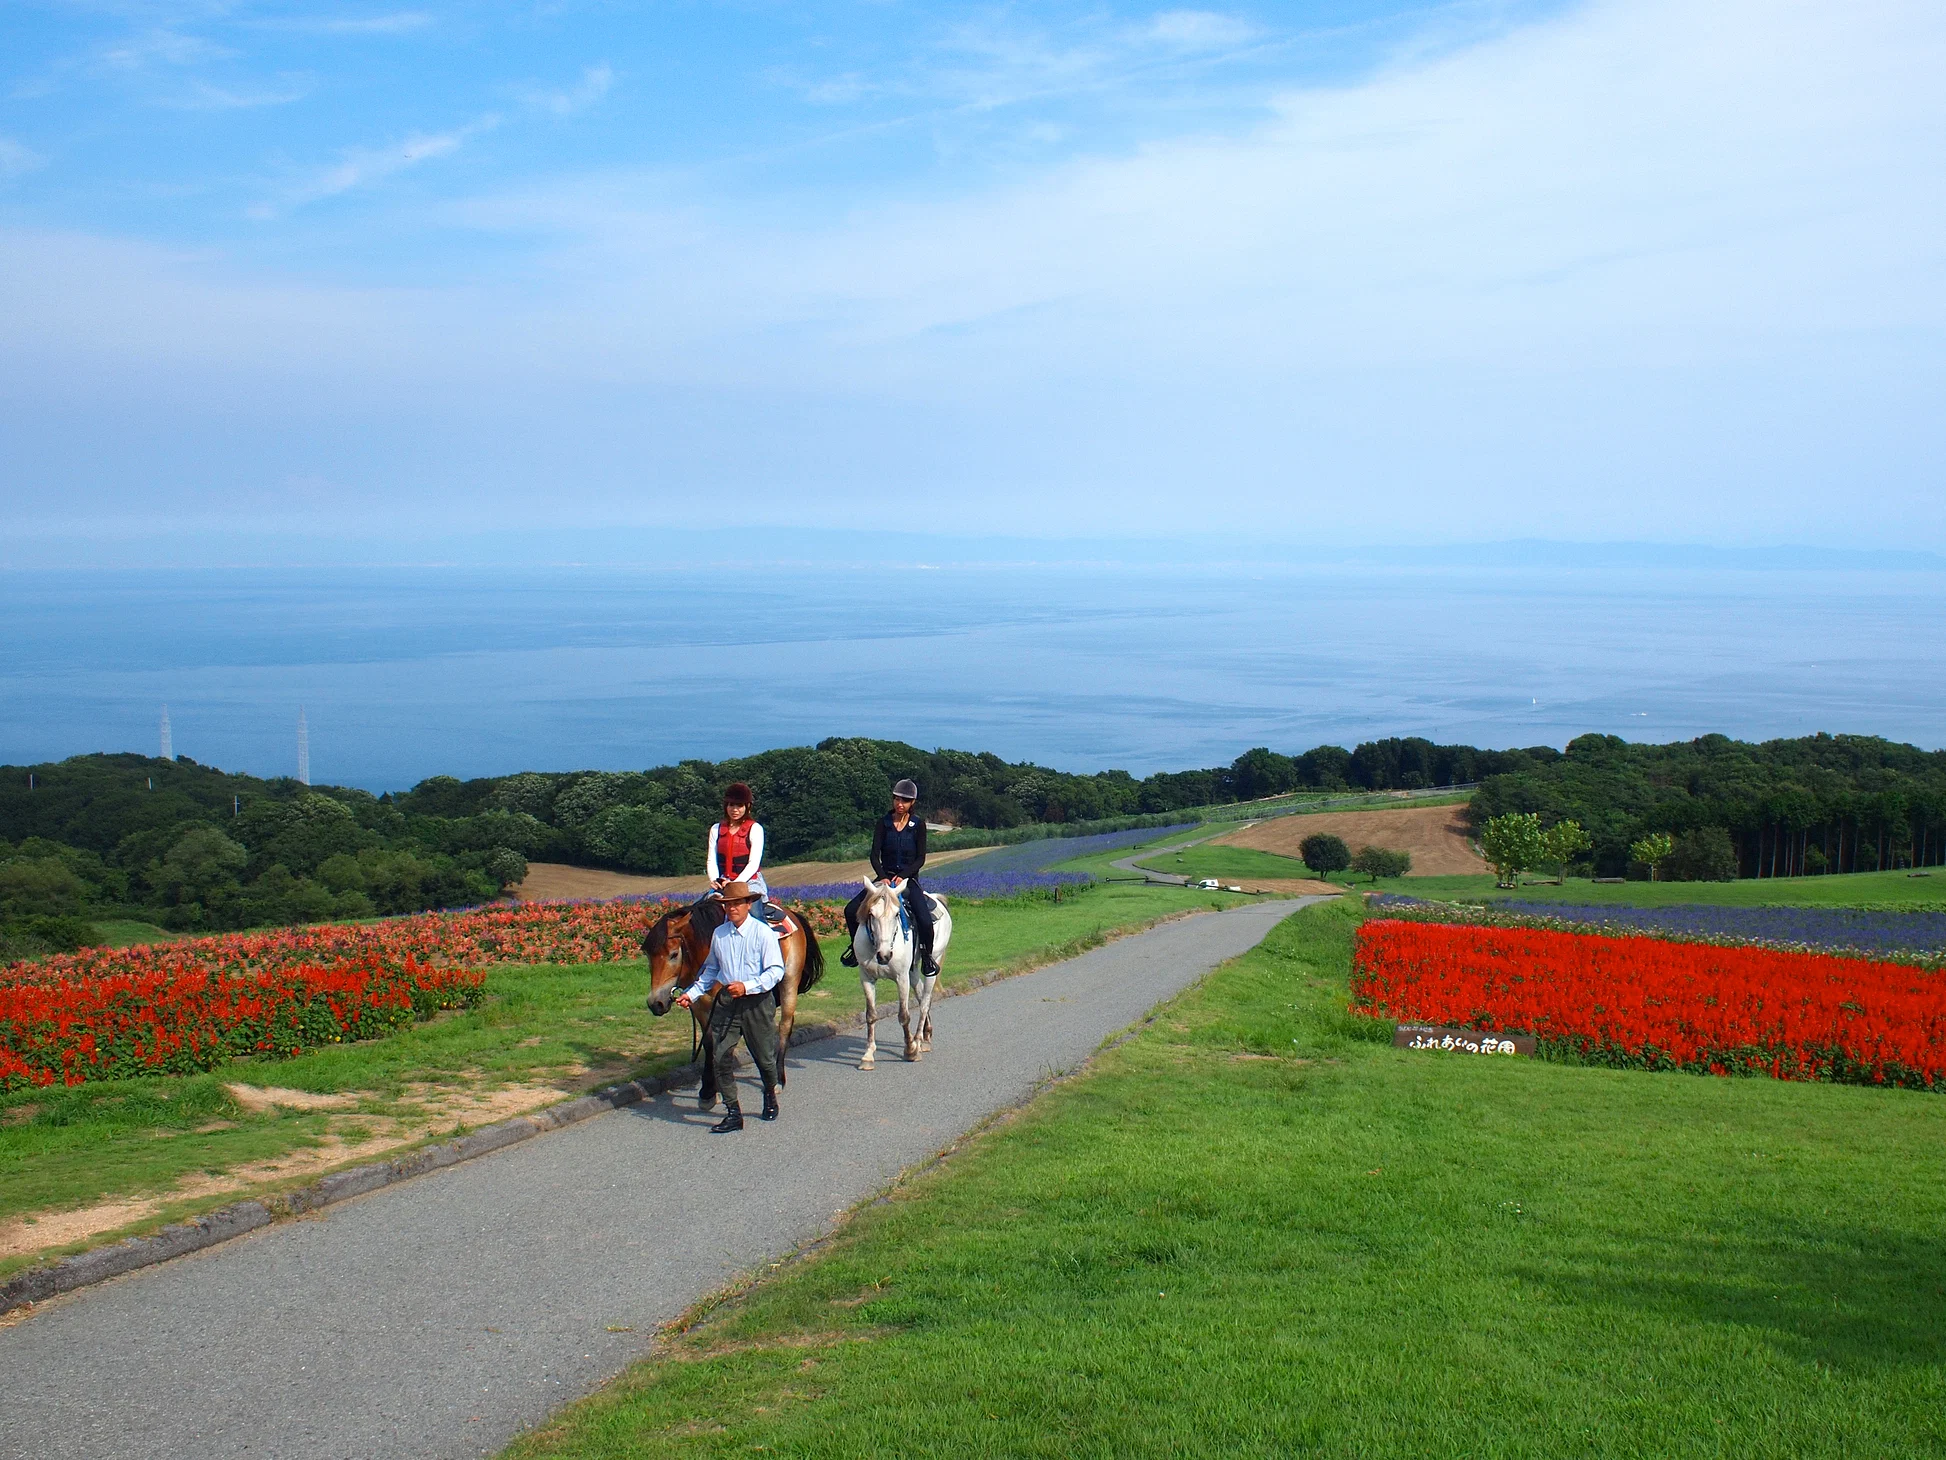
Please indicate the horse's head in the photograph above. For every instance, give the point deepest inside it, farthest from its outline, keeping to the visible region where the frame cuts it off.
(669, 958)
(879, 915)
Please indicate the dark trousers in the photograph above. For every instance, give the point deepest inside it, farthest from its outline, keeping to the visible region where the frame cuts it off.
(754, 1018)
(918, 907)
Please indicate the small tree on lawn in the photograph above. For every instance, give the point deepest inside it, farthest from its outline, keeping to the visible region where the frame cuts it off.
(1562, 842)
(1652, 850)
(1513, 843)
(1377, 862)
(1324, 853)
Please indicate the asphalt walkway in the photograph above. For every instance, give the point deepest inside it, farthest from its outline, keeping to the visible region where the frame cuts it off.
(439, 1317)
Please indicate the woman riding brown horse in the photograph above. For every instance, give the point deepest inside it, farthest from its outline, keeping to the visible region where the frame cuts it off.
(678, 942)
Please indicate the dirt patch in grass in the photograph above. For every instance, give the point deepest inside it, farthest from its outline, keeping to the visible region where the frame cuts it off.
(265, 1097)
(424, 1111)
(1285, 886)
(1435, 835)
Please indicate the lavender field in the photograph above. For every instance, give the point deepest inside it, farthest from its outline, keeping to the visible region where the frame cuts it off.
(1036, 856)
(973, 885)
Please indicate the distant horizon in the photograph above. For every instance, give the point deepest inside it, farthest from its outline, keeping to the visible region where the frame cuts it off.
(677, 550)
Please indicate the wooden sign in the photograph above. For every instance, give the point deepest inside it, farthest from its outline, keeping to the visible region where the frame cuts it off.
(1460, 1041)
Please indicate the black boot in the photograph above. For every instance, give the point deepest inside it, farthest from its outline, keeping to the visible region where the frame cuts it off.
(849, 957)
(770, 1105)
(730, 1122)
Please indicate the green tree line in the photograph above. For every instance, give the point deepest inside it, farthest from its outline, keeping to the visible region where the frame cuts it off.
(1782, 808)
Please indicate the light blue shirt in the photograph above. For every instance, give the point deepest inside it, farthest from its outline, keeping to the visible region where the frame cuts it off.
(749, 955)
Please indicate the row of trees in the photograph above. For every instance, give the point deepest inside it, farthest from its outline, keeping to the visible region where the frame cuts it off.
(193, 848)
(1783, 808)
(1325, 853)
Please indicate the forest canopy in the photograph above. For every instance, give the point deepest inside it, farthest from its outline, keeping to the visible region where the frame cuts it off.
(195, 847)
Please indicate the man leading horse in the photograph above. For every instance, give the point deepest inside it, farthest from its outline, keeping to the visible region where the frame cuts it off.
(745, 962)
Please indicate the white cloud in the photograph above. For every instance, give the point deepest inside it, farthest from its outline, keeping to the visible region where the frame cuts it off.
(1198, 30)
(16, 158)
(400, 22)
(358, 167)
(592, 87)
(161, 47)
(206, 96)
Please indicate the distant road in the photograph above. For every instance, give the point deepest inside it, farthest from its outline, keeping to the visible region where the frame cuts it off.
(439, 1317)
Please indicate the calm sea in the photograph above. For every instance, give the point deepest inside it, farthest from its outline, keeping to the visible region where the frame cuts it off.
(408, 673)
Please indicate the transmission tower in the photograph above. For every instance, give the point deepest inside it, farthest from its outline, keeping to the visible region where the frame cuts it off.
(303, 749)
(168, 745)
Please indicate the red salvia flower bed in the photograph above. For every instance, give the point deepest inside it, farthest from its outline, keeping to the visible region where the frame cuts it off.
(529, 932)
(120, 1025)
(1645, 1003)
(170, 1008)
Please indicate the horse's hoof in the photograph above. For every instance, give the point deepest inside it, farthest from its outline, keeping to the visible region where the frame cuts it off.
(866, 1064)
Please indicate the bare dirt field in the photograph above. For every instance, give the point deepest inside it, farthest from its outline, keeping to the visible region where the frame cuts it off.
(555, 881)
(1435, 835)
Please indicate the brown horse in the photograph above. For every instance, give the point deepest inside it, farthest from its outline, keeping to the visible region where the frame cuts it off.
(678, 942)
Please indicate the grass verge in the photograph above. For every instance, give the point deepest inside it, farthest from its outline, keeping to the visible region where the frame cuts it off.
(187, 1144)
(1228, 864)
(1257, 1230)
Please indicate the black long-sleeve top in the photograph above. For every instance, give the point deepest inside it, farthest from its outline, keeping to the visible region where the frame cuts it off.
(898, 853)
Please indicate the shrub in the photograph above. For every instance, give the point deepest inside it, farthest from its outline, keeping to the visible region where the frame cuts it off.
(1324, 853)
(1377, 862)
(1705, 855)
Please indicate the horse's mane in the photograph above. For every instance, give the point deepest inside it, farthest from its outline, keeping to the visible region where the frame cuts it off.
(813, 954)
(658, 938)
(706, 915)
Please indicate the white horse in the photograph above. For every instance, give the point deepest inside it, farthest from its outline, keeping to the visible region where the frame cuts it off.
(885, 949)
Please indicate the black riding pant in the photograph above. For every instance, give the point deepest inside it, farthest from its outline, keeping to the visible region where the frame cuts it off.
(754, 1018)
(918, 907)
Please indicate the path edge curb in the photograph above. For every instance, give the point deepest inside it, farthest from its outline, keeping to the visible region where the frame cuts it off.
(98, 1264)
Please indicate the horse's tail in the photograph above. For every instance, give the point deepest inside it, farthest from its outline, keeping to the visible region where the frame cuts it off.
(813, 953)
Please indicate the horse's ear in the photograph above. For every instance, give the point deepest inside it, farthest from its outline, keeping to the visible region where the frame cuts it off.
(867, 883)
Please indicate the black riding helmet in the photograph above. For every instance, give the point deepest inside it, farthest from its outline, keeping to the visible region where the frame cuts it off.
(905, 791)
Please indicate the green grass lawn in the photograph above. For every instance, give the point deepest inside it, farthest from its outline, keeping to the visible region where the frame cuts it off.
(570, 1027)
(1227, 864)
(1255, 1230)
(126, 932)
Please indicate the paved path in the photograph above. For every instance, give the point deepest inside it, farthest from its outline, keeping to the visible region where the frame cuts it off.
(440, 1316)
(1169, 879)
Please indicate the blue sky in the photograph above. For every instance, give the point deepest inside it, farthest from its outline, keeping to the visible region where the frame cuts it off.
(1332, 272)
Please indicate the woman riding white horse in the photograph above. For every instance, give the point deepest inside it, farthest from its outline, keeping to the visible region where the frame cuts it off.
(886, 948)
(898, 853)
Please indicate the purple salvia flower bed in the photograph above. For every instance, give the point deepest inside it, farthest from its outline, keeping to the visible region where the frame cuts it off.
(974, 886)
